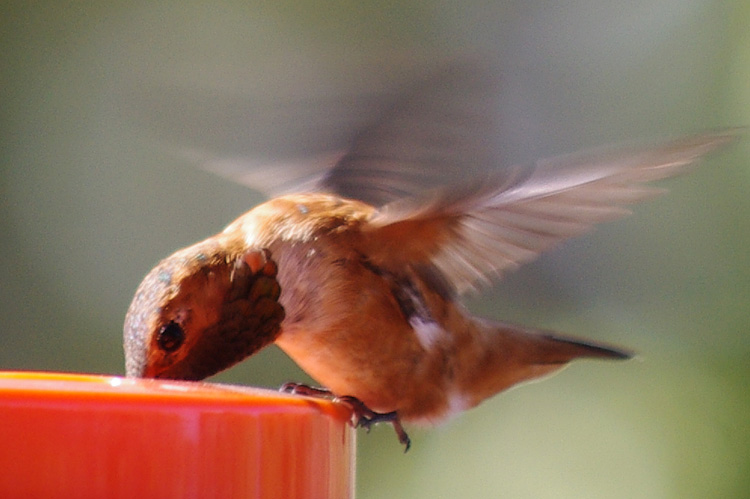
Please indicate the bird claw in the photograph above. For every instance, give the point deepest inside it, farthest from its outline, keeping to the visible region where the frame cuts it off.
(362, 416)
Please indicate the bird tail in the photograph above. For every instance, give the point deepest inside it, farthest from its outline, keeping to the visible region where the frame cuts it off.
(550, 347)
(513, 354)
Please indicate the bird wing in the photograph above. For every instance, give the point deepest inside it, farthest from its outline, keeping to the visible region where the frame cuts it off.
(482, 228)
(375, 146)
(441, 131)
(414, 161)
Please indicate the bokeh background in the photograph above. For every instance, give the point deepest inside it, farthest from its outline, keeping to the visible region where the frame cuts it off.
(95, 96)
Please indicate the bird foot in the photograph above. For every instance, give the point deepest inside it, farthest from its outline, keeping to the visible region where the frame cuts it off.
(362, 416)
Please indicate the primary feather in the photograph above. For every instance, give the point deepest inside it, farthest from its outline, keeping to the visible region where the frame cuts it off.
(478, 230)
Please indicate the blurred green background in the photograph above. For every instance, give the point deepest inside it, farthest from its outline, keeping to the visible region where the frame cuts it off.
(90, 95)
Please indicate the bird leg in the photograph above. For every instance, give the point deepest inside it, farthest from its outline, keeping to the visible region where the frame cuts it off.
(363, 416)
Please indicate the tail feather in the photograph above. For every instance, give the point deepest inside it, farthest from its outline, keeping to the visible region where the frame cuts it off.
(513, 354)
(552, 348)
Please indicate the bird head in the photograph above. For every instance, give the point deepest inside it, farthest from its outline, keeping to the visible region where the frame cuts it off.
(200, 311)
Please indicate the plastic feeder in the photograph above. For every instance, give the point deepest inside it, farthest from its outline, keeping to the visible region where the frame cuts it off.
(69, 435)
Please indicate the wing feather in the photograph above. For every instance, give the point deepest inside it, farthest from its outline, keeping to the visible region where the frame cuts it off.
(479, 230)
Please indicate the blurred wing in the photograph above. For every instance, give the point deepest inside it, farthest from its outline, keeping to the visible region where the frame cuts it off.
(443, 131)
(373, 147)
(481, 229)
(272, 178)
(274, 148)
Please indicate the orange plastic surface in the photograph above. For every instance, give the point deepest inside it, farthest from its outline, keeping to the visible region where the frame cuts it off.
(68, 435)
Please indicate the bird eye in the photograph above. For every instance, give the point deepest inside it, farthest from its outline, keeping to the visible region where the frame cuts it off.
(170, 337)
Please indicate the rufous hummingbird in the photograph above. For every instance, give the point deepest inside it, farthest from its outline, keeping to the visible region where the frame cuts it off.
(358, 279)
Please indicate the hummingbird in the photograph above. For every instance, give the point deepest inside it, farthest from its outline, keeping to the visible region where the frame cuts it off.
(358, 276)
